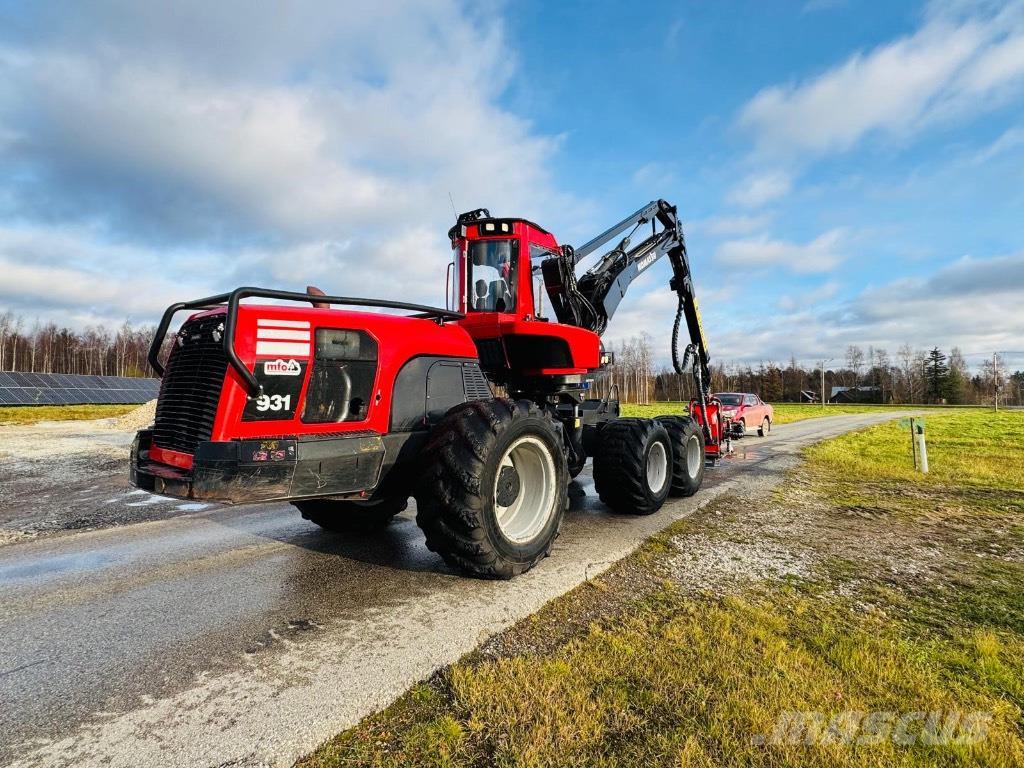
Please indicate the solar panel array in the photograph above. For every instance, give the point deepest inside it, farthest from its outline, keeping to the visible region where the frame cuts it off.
(73, 389)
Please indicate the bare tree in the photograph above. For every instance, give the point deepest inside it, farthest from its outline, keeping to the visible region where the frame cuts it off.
(855, 362)
(993, 376)
(6, 324)
(52, 349)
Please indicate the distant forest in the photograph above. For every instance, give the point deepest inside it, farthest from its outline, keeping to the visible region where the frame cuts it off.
(48, 348)
(908, 376)
(872, 374)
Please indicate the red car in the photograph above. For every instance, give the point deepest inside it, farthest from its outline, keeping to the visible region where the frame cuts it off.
(746, 411)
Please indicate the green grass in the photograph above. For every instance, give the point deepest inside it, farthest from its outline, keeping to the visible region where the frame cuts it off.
(789, 412)
(30, 414)
(670, 676)
(681, 682)
(784, 412)
(973, 457)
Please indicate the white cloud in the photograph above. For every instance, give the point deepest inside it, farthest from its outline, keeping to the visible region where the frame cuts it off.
(75, 276)
(271, 145)
(414, 259)
(822, 254)
(64, 275)
(654, 177)
(967, 278)
(1010, 139)
(791, 302)
(974, 303)
(956, 65)
(653, 311)
(999, 64)
(761, 188)
(732, 226)
(304, 159)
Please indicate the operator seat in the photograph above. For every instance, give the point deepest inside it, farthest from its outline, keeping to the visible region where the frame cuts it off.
(501, 296)
(481, 296)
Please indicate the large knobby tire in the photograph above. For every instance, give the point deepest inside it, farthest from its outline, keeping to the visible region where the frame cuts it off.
(493, 489)
(632, 466)
(687, 453)
(351, 516)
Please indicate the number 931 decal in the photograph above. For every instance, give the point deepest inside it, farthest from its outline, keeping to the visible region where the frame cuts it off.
(282, 384)
(274, 403)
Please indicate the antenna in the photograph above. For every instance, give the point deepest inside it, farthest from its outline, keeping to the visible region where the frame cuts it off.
(452, 201)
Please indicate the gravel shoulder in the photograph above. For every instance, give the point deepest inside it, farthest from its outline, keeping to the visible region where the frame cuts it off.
(60, 476)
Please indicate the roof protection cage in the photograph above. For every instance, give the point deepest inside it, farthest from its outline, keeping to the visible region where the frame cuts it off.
(232, 301)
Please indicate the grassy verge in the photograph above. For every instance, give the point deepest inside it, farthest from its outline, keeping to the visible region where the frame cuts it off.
(31, 414)
(969, 452)
(784, 412)
(840, 595)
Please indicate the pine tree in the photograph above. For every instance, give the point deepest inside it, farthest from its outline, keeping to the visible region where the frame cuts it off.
(1017, 390)
(956, 388)
(938, 374)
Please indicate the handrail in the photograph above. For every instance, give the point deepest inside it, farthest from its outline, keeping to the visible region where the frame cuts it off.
(232, 300)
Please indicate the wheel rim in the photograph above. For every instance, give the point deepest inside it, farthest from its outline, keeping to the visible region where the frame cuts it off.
(657, 467)
(529, 511)
(766, 426)
(693, 459)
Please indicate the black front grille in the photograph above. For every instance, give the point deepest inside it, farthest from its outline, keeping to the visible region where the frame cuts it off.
(191, 386)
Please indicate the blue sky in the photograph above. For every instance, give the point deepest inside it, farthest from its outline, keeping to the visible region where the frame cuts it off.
(848, 172)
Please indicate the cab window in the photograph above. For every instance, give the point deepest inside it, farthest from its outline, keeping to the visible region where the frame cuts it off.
(540, 252)
(491, 278)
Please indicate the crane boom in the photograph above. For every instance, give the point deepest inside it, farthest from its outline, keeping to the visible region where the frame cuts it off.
(591, 300)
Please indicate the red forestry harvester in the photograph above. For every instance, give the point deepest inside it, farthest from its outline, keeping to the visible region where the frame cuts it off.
(346, 414)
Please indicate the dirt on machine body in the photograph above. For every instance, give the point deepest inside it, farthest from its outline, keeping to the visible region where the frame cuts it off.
(348, 413)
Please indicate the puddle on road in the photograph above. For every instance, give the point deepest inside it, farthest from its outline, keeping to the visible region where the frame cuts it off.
(744, 454)
(53, 565)
(149, 501)
(192, 506)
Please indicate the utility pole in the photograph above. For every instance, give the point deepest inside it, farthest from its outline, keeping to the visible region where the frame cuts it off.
(822, 364)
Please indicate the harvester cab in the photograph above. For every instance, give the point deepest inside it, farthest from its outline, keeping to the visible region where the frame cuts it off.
(494, 265)
(481, 411)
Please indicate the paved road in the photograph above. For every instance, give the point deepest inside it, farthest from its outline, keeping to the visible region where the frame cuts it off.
(246, 636)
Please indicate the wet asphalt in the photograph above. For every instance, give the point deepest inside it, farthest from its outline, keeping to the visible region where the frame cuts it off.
(247, 636)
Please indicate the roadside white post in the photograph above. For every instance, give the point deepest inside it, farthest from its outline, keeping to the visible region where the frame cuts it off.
(918, 449)
(922, 448)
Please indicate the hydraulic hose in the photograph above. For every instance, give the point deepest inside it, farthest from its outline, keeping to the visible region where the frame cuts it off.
(690, 356)
(680, 367)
